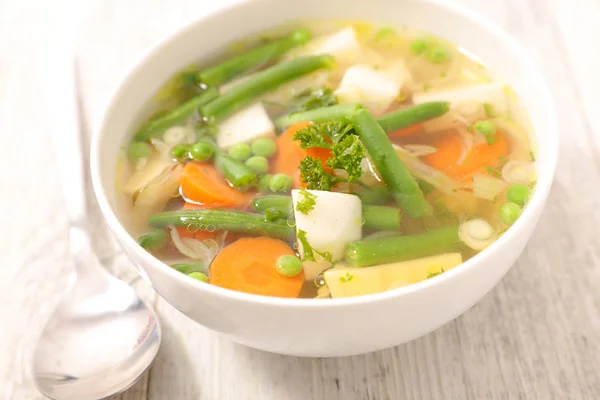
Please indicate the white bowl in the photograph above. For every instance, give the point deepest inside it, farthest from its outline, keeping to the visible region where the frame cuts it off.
(336, 327)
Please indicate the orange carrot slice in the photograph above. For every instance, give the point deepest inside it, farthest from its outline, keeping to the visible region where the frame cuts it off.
(408, 131)
(249, 265)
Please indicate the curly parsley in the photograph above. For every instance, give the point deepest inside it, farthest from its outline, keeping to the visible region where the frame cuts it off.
(307, 204)
(348, 155)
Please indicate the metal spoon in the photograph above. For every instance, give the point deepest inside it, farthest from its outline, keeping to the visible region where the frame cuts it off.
(102, 337)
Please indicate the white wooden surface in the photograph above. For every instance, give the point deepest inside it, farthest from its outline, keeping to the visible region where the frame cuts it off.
(536, 336)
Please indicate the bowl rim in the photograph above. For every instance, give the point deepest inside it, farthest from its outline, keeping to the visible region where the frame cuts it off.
(543, 186)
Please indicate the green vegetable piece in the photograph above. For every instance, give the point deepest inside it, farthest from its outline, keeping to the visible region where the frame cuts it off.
(425, 186)
(158, 125)
(252, 59)
(263, 183)
(199, 276)
(347, 155)
(375, 196)
(307, 249)
(260, 83)
(322, 134)
(413, 115)
(180, 151)
(518, 194)
(314, 174)
(283, 204)
(264, 147)
(487, 129)
(437, 54)
(220, 220)
(186, 268)
(308, 202)
(384, 33)
(405, 189)
(311, 99)
(381, 218)
(236, 172)
(258, 164)
(289, 265)
(510, 213)
(201, 151)
(280, 183)
(488, 108)
(418, 46)
(272, 214)
(326, 114)
(153, 240)
(240, 151)
(138, 150)
(367, 252)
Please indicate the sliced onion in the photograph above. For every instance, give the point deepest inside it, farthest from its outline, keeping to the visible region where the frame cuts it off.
(178, 135)
(521, 172)
(419, 150)
(520, 145)
(160, 146)
(487, 187)
(467, 145)
(477, 234)
(192, 248)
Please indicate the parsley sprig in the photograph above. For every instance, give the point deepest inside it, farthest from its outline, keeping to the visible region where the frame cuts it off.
(309, 252)
(307, 204)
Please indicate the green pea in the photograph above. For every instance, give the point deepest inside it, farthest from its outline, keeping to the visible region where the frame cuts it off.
(437, 54)
(240, 151)
(138, 150)
(188, 268)
(280, 183)
(289, 266)
(487, 129)
(258, 164)
(510, 213)
(153, 239)
(518, 194)
(264, 147)
(263, 184)
(200, 276)
(301, 36)
(418, 46)
(201, 151)
(180, 151)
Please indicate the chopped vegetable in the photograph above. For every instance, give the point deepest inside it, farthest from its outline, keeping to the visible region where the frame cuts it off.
(244, 126)
(260, 83)
(138, 150)
(234, 221)
(158, 125)
(155, 166)
(180, 151)
(283, 204)
(240, 151)
(264, 147)
(199, 276)
(249, 265)
(381, 217)
(343, 45)
(488, 187)
(201, 151)
(487, 129)
(375, 196)
(346, 281)
(518, 172)
(322, 135)
(258, 164)
(157, 193)
(280, 183)
(252, 59)
(289, 265)
(203, 184)
(407, 117)
(400, 248)
(186, 268)
(406, 191)
(327, 114)
(437, 54)
(477, 234)
(312, 99)
(263, 183)
(307, 204)
(153, 240)
(419, 45)
(510, 213)
(518, 194)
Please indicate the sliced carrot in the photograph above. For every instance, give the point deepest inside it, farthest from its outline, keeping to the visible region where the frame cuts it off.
(202, 183)
(249, 265)
(449, 148)
(289, 154)
(408, 131)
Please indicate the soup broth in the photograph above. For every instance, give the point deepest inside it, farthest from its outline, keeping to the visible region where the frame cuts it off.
(328, 160)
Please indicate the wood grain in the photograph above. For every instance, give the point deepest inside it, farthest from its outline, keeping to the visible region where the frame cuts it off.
(535, 336)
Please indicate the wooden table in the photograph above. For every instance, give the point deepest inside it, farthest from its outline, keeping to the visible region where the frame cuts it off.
(535, 336)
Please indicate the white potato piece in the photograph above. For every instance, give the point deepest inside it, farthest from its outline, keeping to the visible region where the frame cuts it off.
(346, 281)
(246, 125)
(342, 44)
(157, 193)
(363, 84)
(335, 220)
(154, 166)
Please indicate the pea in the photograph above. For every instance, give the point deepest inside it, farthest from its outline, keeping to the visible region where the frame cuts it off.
(180, 151)
(200, 276)
(189, 267)
(518, 194)
(264, 147)
(263, 183)
(138, 150)
(280, 183)
(201, 151)
(487, 129)
(437, 55)
(289, 266)
(301, 36)
(153, 240)
(240, 151)
(418, 46)
(258, 164)
(510, 213)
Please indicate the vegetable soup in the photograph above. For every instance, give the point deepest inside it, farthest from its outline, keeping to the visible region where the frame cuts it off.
(328, 160)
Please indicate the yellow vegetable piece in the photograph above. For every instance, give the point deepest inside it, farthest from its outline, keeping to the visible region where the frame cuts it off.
(346, 282)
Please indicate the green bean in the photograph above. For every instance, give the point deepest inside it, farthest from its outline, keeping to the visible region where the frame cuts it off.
(367, 252)
(337, 112)
(375, 217)
(153, 240)
(158, 125)
(375, 196)
(235, 171)
(381, 218)
(186, 268)
(251, 60)
(405, 189)
(413, 115)
(234, 221)
(260, 83)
